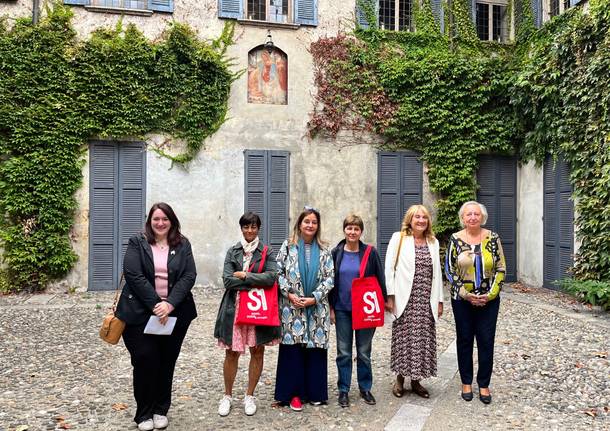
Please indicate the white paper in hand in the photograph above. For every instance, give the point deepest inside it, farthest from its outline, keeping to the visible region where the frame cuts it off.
(155, 327)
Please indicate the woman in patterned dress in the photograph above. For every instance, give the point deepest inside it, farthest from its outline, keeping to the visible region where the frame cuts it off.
(306, 276)
(475, 267)
(415, 296)
(235, 338)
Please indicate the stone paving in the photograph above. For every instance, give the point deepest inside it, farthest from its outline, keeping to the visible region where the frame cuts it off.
(552, 372)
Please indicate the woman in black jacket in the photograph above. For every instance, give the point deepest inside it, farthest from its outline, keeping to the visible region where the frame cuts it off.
(347, 256)
(159, 274)
(238, 279)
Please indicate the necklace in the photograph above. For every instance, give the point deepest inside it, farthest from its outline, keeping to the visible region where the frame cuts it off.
(162, 246)
(472, 240)
(419, 241)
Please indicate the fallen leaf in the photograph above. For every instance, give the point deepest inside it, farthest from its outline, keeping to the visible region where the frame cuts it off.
(60, 418)
(590, 412)
(579, 365)
(119, 406)
(526, 357)
(507, 342)
(601, 354)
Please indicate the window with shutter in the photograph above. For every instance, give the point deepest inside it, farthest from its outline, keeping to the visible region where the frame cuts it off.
(267, 186)
(497, 179)
(116, 212)
(399, 185)
(558, 222)
(145, 7)
(395, 14)
(300, 12)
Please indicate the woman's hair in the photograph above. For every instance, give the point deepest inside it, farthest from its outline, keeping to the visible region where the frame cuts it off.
(406, 221)
(353, 219)
(250, 218)
(174, 237)
(481, 207)
(296, 231)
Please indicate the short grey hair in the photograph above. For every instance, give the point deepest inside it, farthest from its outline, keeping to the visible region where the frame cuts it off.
(481, 207)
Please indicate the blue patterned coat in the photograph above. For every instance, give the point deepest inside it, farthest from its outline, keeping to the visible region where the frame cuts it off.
(295, 328)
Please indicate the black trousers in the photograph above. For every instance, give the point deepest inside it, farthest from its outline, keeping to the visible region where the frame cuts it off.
(301, 372)
(153, 358)
(478, 323)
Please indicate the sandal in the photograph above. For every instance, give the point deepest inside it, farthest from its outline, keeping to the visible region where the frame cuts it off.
(398, 389)
(419, 389)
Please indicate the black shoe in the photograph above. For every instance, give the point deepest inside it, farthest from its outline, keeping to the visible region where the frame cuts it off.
(343, 399)
(368, 397)
(485, 399)
(467, 396)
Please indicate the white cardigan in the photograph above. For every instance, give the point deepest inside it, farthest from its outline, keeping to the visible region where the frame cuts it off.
(400, 282)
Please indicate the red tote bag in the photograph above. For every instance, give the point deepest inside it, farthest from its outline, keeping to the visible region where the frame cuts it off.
(259, 305)
(367, 299)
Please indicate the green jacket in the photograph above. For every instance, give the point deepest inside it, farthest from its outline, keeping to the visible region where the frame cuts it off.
(226, 312)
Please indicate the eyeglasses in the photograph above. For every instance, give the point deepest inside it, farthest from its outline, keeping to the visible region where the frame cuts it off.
(310, 208)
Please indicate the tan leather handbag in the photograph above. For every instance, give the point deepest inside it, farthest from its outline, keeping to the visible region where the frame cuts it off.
(112, 327)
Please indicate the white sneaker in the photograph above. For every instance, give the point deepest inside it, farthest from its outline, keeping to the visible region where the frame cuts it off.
(225, 405)
(249, 405)
(160, 421)
(146, 425)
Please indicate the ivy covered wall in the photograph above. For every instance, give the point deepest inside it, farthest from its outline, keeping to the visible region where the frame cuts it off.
(451, 97)
(57, 92)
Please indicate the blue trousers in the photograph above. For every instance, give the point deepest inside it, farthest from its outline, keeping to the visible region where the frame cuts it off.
(364, 344)
(301, 372)
(472, 322)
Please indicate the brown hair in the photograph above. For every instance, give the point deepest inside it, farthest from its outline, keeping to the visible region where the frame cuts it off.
(406, 221)
(353, 219)
(174, 237)
(296, 231)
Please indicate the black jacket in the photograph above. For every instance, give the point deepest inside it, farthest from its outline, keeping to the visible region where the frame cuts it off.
(223, 329)
(373, 268)
(139, 296)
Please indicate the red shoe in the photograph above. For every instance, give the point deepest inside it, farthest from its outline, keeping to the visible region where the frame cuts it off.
(296, 404)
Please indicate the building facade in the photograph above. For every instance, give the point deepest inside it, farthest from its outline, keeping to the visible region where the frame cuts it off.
(261, 159)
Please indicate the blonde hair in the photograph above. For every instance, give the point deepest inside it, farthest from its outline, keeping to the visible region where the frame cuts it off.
(296, 230)
(406, 221)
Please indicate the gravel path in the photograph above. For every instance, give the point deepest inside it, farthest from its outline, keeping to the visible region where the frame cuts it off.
(55, 373)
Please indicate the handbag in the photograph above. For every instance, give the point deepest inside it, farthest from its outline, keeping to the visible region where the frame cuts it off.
(112, 327)
(367, 299)
(259, 305)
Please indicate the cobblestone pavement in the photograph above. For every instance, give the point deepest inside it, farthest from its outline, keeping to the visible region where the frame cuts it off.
(552, 372)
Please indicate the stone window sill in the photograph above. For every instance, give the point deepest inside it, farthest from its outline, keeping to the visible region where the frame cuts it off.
(268, 24)
(121, 10)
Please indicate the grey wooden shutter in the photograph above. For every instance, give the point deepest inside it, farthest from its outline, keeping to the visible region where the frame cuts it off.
(399, 185)
(116, 210)
(230, 9)
(558, 222)
(78, 2)
(132, 171)
(161, 5)
(277, 208)
(497, 178)
(306, 12)
(537, 12)
(102, 215)
(438, 12)
(267, 187)
(361, 17)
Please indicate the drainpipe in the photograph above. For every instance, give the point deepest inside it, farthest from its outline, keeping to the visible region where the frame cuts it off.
(35, 11)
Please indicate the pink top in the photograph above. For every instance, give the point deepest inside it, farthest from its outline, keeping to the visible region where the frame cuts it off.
(160, 260)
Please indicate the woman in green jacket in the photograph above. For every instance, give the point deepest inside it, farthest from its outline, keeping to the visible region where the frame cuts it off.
(235, 338)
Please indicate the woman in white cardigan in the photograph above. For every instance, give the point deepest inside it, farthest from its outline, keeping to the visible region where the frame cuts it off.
(415, 295)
